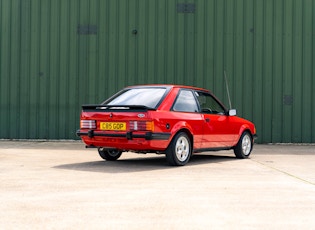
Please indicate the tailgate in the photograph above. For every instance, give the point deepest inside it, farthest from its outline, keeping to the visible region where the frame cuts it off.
(116, 118)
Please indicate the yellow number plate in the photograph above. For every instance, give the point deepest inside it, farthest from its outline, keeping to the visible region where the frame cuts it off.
(116, 126)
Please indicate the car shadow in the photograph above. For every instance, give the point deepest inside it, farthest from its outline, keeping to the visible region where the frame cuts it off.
(141, 164)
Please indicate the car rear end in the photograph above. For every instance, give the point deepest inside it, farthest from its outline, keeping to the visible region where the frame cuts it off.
(119, 123)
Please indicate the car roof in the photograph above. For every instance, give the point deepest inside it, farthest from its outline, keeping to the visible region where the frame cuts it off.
(169, 86)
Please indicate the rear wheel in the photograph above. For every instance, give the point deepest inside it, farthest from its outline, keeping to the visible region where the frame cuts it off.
(244, 146)
(109, 155)
(179, 151)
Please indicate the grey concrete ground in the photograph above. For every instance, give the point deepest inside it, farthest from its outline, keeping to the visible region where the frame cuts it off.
(62, 185)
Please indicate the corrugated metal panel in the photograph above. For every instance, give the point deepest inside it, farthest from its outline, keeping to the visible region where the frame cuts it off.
(59, 54)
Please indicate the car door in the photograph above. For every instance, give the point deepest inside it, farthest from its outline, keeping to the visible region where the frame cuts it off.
(218, 131)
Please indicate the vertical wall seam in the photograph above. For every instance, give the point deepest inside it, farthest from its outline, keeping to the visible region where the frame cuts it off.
(18, 77)
(313, 72)
(166, 42)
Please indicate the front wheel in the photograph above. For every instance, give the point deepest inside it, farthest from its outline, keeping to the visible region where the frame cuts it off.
(179, 151)
(109, 155)
(244, 146)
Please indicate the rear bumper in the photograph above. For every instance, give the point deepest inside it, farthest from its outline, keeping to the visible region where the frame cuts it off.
(127, 135)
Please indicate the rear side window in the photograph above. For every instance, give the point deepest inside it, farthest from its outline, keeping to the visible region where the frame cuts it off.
(185, 102)
(149, 97)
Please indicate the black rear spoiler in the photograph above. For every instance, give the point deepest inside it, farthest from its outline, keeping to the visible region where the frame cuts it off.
(98, 107)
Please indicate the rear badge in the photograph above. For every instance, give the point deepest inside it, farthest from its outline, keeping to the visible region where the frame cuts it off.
(141, 115)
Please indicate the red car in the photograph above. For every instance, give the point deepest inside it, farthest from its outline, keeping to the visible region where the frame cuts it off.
(169, 119)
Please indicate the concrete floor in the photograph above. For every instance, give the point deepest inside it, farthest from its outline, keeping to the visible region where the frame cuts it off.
(62, 185)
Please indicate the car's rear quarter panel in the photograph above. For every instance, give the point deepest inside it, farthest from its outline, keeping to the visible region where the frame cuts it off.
(176, 121)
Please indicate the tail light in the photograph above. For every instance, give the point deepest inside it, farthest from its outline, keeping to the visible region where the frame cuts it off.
(141, 126)
(88, 124)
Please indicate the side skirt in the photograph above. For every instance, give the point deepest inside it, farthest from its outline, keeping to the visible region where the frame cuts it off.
(212, 149)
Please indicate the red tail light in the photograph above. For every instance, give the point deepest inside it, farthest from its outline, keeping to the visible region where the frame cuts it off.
(141, 125)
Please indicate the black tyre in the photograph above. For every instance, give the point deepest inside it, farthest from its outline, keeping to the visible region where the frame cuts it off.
(109, 155)
(244, 146)
(179, 151)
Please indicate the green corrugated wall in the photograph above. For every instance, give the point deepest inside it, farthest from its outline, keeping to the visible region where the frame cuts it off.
(59, 54)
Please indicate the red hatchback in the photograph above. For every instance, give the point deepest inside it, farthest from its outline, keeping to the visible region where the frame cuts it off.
(169, 119)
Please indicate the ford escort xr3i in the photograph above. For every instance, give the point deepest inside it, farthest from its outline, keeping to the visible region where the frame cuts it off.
(165, 119)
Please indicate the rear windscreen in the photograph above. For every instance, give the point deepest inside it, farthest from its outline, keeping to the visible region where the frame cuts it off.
(149, 97)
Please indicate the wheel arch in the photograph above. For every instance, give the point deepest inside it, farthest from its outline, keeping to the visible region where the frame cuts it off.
(189, 134)
(246, 128)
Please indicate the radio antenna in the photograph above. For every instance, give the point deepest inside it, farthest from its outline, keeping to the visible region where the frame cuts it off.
(227, 89)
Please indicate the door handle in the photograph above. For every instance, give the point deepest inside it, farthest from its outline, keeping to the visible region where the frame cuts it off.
(207, 119)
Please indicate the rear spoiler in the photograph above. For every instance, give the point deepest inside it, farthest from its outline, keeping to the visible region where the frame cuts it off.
(104, 107)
